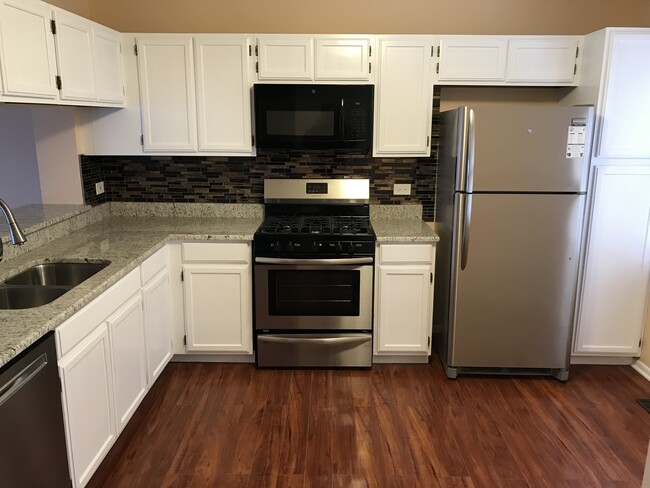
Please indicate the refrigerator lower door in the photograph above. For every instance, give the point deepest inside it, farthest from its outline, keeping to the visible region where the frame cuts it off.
(512, 304)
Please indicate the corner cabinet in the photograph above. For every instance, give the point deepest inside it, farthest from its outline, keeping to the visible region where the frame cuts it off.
(404, 96)
(217, 288)
(404, 300)
(616, 276)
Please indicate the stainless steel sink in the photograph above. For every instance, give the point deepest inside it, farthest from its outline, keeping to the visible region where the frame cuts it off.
(17, 297)
(57, 274)
(44, 283)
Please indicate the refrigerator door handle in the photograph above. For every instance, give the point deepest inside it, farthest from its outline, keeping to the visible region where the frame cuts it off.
(471, 139)
(465, 229)
(461, 148)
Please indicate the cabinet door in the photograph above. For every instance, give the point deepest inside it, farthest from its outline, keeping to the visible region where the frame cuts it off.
(472, 58)
(87, 381)
(625, 98)
(223, 93)
(218, 308)
(109, 70)
(404, 98)
(342, 59)
(27, 49)
(285, 59)
(165, 66)
(404, 312)
(617, 264)
(75, 57)
(544, 60)
(158, 325)
(129, 369)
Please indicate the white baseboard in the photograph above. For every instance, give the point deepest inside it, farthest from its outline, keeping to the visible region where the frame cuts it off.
(403, 359)
(603, 360)
(642, 369)
(213, 358)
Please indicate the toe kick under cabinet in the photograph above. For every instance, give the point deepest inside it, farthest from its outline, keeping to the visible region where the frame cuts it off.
(403, 302)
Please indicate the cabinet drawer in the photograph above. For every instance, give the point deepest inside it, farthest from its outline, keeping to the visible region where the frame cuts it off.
(88, 318)
(406, 253)
(231, 252)
(154, 264)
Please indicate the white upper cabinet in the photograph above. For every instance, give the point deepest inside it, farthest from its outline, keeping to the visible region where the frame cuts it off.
(27, 49)
(507, 60)
(472, 58)
(404, 96)
(109, 66)
(166, 72)
(542, 60)
(75, 56)
(343, 59)
(223, 93)
(285, 58)
(624, 105)
(326, 58)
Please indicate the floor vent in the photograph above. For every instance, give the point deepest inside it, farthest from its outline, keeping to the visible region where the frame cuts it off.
(645, 404)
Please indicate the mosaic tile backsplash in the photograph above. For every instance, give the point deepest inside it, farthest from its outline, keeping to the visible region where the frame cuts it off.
(208, 179)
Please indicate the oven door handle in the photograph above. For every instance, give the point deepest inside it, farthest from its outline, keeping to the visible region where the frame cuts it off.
(351, 339)
(332, 262)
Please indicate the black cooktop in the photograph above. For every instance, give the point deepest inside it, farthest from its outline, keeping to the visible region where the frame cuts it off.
(314, 225)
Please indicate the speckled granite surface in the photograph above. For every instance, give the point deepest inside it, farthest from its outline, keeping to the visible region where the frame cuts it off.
(403, 230)
(126, 242)
(218, 210)
(410, 212)
(37, 216)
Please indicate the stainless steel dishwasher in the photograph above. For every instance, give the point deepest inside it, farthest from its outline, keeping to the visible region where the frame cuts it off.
(33, 451)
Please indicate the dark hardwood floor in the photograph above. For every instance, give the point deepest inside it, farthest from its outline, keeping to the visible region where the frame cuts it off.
(221, 425)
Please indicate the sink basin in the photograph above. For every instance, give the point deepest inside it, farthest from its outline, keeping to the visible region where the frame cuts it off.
(57, 274)
(17, 297)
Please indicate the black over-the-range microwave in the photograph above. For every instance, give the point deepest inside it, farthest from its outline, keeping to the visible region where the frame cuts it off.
(313, 116)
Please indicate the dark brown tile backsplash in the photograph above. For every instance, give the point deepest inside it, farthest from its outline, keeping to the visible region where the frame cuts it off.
(200, 179)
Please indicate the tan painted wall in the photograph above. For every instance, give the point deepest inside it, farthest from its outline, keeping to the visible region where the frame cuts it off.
(364, 16)
(645, 352)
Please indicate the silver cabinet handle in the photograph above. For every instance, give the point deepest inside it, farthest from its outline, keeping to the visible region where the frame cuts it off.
(467, 219)
(21, 379)
(332, 262)
(352, 339)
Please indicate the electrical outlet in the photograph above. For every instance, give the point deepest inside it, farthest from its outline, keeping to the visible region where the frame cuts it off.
(402, 189)
(99, 188)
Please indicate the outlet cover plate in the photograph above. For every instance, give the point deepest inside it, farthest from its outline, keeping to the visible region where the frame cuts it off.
(402, 189)
(99, 188)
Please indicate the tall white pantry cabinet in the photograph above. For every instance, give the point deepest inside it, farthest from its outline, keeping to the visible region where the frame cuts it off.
(615, 280)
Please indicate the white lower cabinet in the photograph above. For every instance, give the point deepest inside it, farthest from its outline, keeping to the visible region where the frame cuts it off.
(404, 299)
(157, 312)
(126, 328)
(616, 274)
(218, 298)
(88, 397)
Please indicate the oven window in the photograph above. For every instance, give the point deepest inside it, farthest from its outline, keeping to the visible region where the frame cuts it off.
(314, 292)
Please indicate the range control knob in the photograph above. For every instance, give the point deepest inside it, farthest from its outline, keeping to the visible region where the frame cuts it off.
(314, 247)
(276, 246)
(290, 246)
(339, 248)
(350, 247)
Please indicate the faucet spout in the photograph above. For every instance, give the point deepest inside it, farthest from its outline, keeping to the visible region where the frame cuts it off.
(16, 233)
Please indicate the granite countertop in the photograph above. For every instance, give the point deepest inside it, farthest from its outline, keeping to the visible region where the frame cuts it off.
(126, 242)
(37, 216)
(403, 230)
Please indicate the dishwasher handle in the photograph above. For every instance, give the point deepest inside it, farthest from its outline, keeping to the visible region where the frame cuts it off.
(12, 387)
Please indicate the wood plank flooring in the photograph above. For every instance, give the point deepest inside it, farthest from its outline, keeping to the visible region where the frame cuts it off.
(225, 425)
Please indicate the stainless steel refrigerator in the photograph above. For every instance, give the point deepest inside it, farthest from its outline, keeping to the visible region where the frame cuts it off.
(510, 200)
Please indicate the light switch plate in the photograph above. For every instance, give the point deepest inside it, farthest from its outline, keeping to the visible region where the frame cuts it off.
(99, 188)
(402, 189)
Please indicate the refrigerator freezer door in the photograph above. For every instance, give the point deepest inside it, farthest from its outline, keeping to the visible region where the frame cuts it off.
(524, 149)
(512, 305)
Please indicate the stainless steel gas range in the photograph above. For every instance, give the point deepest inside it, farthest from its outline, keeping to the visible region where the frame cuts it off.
(314, 258)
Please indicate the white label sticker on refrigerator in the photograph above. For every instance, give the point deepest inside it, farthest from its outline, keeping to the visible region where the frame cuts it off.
(575, 151)
(577, 134)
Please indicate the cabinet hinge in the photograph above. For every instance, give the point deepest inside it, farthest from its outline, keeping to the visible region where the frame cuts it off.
(428, 341)
(182, 276)
(577, 50)
(639, 342)
(369, 68)
(438, 52)
(257, 50)
(123, 90)
(369, 51)
(250, 50)
(575, 69)
(142, 139)
(58, 82)
(428, 141)
(431, 51)
(430, 277)
(257, 67)
(253, 139)
(53, 26)
(437, 68)
(185, 340)
(135, 49)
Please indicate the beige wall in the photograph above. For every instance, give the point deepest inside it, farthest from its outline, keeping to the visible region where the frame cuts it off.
(364, 16)
(645, 352)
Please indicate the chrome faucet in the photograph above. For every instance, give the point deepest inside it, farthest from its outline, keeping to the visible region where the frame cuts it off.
(16, 233)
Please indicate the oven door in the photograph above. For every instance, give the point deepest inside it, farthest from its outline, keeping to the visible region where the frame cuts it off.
(313, 294)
